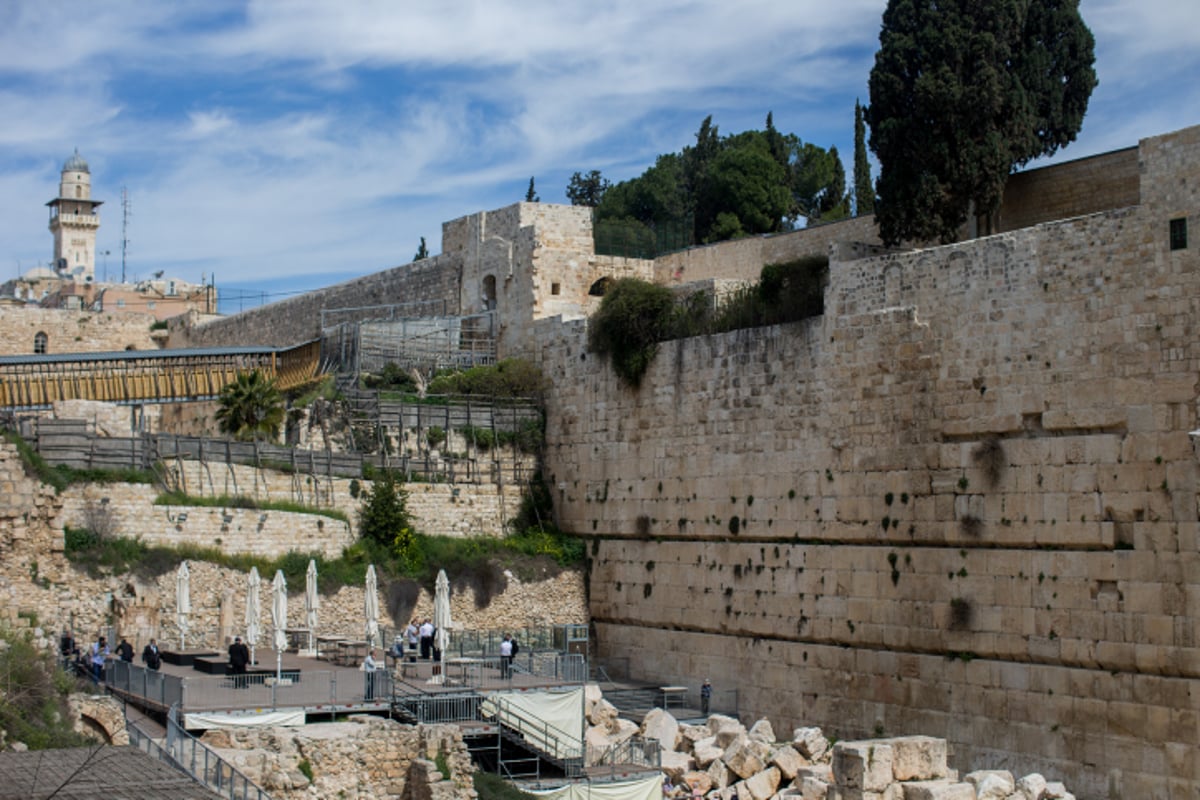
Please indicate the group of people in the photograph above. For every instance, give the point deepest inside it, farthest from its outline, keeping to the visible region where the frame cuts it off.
(420, 639)
(93, 662)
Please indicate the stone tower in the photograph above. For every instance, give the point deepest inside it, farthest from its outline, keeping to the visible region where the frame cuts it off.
(74, 222)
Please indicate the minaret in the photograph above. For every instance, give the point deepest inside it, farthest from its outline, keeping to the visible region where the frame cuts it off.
(74, 221)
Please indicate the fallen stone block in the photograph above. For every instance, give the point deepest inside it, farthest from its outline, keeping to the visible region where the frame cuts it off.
(788, 761)
(938, 790)
(991, 784)
(763, 730)
(810, 742)
(690, 734)
(918, 758)
(865, 765)
(698, 781)
(822, 772)
(724, 727)
(660, 725)
(1056, 790)
(602, 713)
(720, 774)
(676, 765)
(762, 785)
(1031, 787)
(621, 730)
(745, 756)
(812, 788)
(707, 751)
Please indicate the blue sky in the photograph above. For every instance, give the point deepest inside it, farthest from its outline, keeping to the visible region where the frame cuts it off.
(285, 145)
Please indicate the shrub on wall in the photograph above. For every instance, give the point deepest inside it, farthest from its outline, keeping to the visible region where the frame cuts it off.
(633, 318)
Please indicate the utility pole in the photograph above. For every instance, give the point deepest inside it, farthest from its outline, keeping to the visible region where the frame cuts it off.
(124, 230)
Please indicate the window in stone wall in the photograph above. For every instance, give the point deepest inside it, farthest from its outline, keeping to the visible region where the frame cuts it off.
(555, 288)
(39, 342)
(1179, 234)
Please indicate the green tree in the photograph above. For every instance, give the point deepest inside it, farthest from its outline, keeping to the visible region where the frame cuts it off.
(961, 93)
(422, 251)
(818, 181)
(744, 190)
(531, 193)
(250, 408)
(384, 517)
(587, 190)
(864, 191)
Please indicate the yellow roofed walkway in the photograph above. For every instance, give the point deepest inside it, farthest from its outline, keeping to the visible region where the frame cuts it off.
(137, 377)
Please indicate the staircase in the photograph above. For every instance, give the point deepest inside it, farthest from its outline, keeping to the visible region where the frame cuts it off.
(634, 704)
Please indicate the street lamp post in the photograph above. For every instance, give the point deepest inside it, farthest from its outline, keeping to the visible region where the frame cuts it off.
(105, 254)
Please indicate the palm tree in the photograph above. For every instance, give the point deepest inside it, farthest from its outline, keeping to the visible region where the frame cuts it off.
(251, 408)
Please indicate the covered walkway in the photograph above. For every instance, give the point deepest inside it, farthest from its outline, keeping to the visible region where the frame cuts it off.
(136, 377)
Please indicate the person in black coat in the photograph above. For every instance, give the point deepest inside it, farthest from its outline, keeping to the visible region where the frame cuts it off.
(125, 651)
(151, 657)
(239, 656)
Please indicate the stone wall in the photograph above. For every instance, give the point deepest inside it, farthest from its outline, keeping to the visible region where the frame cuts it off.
(963, 503)
(743, 259)
(365, 757)
(1072, 189)
(73, 331)
(430, 285)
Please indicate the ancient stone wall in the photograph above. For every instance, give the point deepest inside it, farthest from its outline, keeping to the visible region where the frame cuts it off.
(963, 503)
(744, 258)
(365, 757)
(1085, 186)
(73, 331)
(431, 283)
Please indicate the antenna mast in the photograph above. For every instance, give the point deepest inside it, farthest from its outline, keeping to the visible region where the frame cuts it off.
(124, 229)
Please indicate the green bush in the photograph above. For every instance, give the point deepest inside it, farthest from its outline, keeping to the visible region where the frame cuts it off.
(633, 318)
(435, 436)
(510, 378)
(493, 787)
(62, 476)
(33, 707)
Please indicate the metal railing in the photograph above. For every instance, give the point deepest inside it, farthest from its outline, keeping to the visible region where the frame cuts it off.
(636, 751)
(157, 687)
(555, 743)
(191, 755)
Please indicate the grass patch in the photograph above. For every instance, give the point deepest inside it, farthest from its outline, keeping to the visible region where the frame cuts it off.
(493, 787)
(62, 476)
(241, 501)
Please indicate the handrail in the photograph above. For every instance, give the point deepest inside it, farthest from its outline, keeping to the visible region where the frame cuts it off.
(550, 740)
(202, 763)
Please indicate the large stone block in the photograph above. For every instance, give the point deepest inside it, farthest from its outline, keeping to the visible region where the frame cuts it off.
(661, 726)
(706, 751)
(745, 756)
(720, 774)
(1030, 787)
(676, 765)
(991, 784)
(810, 742)
(762, 785)
(763, 730)
(865, 765)
(938, 790)
(811, 788)
(918, 758)
(788, 761)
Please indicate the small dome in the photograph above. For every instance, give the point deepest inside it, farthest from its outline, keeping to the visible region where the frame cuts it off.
(76, 164)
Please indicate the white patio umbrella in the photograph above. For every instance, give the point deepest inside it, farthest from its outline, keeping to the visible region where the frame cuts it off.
(442, 621)
(312, 603)
(279, 619)
(371, 606)
(253, 610)
(183, 602)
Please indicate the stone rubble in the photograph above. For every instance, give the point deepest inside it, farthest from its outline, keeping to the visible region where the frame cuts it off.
(721, 760)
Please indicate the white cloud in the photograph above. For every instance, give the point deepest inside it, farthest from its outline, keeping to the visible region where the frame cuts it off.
(281, 139)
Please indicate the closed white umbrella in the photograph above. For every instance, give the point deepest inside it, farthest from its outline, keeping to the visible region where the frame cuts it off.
(312, 603)
(279, 619)
(253, 610)
(183, 602)
(441, 620)
(371, 606)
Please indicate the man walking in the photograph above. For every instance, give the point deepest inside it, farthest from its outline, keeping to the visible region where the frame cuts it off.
(99, 654)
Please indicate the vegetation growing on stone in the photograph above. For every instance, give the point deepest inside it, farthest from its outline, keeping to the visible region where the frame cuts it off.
(251, 408)
(61, 476)
(636, 316)
(33, 705)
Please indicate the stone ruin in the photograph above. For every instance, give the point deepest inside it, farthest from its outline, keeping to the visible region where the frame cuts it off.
(722, 760)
